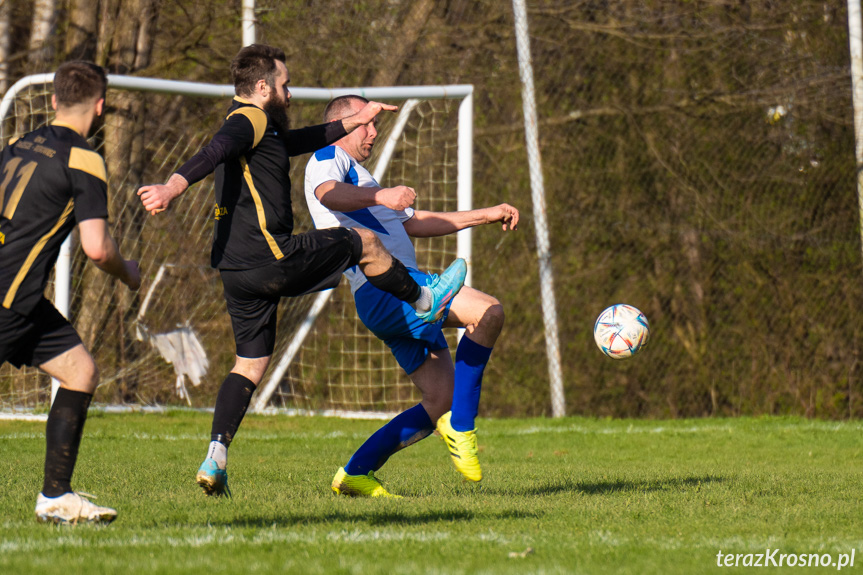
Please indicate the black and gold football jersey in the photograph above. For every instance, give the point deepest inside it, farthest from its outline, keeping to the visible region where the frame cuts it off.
(251, 159)
(50, 179)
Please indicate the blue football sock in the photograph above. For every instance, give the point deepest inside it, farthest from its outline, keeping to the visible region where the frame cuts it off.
(470, 361)
(403, 430)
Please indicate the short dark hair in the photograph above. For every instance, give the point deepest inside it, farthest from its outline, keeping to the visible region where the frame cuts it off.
(252, 63)
(79, 82)
(339, 107)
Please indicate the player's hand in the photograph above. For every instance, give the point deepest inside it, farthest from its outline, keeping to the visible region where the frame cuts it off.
(506, 214)
(133, 274)
(397, 198)
(368, 113)
(157, 197)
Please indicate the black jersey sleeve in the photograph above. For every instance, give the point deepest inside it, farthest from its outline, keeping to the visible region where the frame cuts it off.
(89, 184)
(313, 138)
(236, 137)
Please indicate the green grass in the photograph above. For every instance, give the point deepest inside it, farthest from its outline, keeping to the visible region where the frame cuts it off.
(587, 496)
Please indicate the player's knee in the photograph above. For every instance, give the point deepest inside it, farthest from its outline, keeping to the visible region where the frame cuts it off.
(436, 404)
(252, 369)
(371, 244)
(437, 399)
(95, 375)
(492, 318)
(87, 377)
(368, 238)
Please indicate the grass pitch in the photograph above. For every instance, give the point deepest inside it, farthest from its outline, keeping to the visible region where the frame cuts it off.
(559, 496)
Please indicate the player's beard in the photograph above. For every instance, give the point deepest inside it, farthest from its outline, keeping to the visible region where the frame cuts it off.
(277, 110)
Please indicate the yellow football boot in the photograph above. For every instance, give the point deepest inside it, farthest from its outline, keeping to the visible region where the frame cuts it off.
(462, 448)
(359, 485)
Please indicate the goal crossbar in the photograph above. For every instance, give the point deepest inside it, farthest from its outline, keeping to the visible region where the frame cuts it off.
(117, 82)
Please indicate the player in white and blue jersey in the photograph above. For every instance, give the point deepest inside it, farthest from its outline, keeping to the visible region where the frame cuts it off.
(341, 192)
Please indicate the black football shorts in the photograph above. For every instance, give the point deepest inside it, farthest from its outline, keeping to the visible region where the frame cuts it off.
(36, 338)
(314, 261)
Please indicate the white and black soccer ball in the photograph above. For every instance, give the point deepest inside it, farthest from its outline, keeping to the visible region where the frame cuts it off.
(621, 331)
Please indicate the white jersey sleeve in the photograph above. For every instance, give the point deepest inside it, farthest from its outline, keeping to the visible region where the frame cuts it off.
(324, 166)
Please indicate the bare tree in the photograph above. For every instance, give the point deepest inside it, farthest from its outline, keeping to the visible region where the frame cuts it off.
(41, 49)
(402, 44)
(83, 28)
(124, 45)
(5, 44)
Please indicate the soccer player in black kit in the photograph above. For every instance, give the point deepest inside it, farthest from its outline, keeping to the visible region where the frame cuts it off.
(51, 180)
(259, 258)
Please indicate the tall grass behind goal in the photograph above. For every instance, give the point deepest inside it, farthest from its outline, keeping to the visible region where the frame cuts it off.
(171, 342)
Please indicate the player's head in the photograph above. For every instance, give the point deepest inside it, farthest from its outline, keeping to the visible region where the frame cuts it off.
(360, 142)
(258, 63)
(259, 70)
(80, 85)
(342, 107)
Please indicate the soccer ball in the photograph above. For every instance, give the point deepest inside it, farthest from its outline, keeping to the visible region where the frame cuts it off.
(620, 331)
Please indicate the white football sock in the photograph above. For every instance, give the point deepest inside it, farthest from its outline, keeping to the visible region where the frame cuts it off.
(219, 453)
(423, 304)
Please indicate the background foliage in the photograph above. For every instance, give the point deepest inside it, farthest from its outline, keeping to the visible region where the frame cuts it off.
(698, 158)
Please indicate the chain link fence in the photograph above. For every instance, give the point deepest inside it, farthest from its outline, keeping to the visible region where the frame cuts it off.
(707, 155)
(699, 164)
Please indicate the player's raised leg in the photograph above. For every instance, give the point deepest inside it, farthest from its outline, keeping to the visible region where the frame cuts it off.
(482, 317)
(433, 378)
(78, 378)
(388, 274)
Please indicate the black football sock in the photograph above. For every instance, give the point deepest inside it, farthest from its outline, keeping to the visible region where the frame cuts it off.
(397, 281)
(231, 404)
(63, 437)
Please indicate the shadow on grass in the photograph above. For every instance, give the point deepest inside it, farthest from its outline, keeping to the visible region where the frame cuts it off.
(607, 487)
(369, 518)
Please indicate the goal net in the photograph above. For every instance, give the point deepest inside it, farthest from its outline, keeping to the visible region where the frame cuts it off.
(171, 342)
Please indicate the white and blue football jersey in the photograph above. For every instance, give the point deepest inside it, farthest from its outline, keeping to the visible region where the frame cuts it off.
(334, 164)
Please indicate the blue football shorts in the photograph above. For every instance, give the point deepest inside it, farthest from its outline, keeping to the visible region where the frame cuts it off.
(396, 323)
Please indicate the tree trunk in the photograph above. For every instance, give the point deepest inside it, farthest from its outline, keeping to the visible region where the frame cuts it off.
(5, 44)
(41, 51)
(124, 46)
(402, 43)
(109, 12)
(83, 27)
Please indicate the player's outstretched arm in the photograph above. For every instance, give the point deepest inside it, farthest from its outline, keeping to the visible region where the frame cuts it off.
(157, 197)
(342, 197)
(100, 247)
(234, 138)
(434, 224)
(366, 115)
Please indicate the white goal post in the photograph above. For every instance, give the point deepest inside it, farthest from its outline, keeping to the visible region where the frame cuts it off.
(407, 97)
